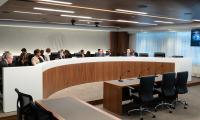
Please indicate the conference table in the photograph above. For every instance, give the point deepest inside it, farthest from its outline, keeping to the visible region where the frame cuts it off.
(69, 108)
(113, 93)
(47, 78)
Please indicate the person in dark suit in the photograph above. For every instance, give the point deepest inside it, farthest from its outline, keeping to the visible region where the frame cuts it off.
(67, 54)
(100, 53)
(88, 54)
(6, 61)
(23, 58)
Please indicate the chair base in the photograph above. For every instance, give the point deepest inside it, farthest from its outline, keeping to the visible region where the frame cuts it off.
(141, 110)
(165, 104)
(183, 102)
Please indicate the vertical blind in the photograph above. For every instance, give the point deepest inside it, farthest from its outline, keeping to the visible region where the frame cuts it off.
(171, 43)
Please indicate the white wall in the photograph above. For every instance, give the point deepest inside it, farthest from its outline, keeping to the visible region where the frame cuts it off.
(15, 38)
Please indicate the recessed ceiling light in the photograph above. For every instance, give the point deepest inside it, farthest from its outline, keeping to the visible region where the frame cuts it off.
(54, 1)
(165, 22)
(52, 10)
(74, 16)
(129, 11)
(28, 13)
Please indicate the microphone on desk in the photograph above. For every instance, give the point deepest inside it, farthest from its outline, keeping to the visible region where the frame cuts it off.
(122, 75)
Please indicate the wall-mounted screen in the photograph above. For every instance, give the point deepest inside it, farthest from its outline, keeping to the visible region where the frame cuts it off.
(195, 37)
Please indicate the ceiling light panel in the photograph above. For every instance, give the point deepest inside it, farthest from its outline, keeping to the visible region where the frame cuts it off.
(74, 16)
(165, 22)
(28, 13)
(55, 1)
(129, 11)
(53, 10)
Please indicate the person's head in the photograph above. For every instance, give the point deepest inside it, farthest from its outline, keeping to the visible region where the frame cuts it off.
(128, 51)
(88, 53)
(37, 52)
(42, 52)
(48, 50)
(8, 57)
(23, 50)
(101, 51)
(82, 52)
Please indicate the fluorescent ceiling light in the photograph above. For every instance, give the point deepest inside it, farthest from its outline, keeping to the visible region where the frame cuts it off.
(28, 13)
(126, 21)
(165, 22)
(89, 21)
(54, 1)
(196, 20)
(53, 10)
(146, 23)
(114, 11)
(74, 16)
(129, 11)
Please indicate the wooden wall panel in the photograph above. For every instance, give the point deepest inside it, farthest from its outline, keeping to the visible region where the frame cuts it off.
(119, 42)
(58, 78)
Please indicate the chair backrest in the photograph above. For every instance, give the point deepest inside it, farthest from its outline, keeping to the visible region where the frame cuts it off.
(143, 55)
(146, 88)
(168, 84)
(181, 82)
(23, 104)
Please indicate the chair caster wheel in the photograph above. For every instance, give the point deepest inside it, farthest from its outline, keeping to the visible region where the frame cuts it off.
(186, 104)
(141, 118)
(155, 110)
(154, 116)
(128, 114)
(170, 111)
(185, 107)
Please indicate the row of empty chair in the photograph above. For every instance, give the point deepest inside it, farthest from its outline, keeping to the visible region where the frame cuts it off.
(168, 89)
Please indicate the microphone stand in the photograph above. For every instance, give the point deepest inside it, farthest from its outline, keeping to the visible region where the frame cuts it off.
(120, 78)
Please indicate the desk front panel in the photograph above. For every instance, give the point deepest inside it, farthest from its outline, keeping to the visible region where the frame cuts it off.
(61, 77)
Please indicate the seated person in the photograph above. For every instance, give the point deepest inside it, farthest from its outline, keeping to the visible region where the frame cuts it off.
(100, 53)
(134, 53)
(81, 53)
(130, 52)
(37, 58)
(108, 52)
(61, 54)
(67, 54)
(23, 58)
(47, 55)
(42, 54)
(6, 61)
(88, 54)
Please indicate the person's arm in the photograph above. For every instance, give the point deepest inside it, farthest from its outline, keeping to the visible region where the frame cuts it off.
(33, 61)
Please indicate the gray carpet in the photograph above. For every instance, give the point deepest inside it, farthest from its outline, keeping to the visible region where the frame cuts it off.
(192, 113)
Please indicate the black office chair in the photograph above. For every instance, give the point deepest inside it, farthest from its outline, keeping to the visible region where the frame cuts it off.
(27, 110)
(167, 93)
(143, 55)
(181, 87)
(23, 104)
(145, 95)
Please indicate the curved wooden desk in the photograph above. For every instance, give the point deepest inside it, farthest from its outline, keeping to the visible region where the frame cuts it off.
(58, 78)
(47, 78)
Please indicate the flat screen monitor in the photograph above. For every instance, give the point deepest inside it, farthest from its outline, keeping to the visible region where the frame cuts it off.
(195, 37)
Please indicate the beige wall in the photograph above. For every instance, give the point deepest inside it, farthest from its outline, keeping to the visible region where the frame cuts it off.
(15, 38)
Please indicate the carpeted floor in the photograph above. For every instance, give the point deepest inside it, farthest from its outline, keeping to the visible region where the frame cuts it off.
(192, 113)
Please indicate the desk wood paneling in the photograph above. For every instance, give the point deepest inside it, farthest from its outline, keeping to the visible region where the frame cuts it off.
(61, 77)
